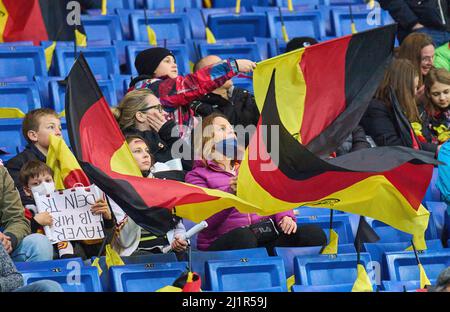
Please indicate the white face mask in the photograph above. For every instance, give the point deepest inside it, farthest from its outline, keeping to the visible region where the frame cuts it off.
(44, 188)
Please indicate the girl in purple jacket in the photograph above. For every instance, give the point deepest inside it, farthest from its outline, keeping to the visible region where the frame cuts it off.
(216, 167)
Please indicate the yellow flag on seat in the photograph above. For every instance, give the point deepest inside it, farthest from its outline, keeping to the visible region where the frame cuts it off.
(332, 247)
(112, 257)
(96, 264)
(424, 281)
(151, 36)
(362, 282)
(49, 54)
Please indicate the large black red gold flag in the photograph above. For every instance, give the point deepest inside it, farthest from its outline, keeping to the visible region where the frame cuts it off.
(38, 20)
(314, 99)
(105, 157)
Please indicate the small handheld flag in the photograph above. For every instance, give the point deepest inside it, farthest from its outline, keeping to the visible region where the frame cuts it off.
(283, 26)
(290, 6)
(353, 26)
(104, 5)
(238, 6)
(150, 32)
(424, 281)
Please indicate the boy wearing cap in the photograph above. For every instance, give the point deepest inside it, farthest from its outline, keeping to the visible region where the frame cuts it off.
(158, 72)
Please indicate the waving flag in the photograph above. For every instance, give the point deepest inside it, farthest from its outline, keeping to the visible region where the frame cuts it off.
(97, 140)
(36, 20)
(314, 99)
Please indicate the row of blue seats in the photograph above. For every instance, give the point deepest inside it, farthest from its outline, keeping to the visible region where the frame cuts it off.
(244, 270)
(184, 4)
(317, 22)
(20, 62)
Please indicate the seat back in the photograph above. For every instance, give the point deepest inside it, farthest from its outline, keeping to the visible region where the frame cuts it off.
(20, 95)
(307, 23)
(173, 28)
(249, 275)
(328, 269)
(101, 28)
(22, 61)
(145, 277)
(199, 258)
(249, 25)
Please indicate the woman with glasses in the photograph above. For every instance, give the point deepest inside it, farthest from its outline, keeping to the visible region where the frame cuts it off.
(419, 49)
(140, 113)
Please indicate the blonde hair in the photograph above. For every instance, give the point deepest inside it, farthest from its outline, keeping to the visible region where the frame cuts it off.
(204, 145)
(133, 102)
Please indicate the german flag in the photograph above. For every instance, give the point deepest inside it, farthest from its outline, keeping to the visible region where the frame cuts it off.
(97, 140)
(66, 170)
(37, 20)
(314, 99)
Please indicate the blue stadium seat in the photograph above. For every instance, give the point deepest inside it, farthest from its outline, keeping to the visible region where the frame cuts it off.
(43, 84)
(58, 93)
(145, 277)
(121, 48)
(387, 233)
(11, 136)
(311, 212)
(21, 95)
(101, 28)
(16, 43)
(81, 279)
(341, 20)
(402, 266)
(112, 5)
(180, 51)
(244, 3)
(433, 193)
(248, 50)
(401, 286)
(341, 224)
(289, 253)
(179, 4)
(255, 274)
(52, 265)
(296, 3)
(438, 214)
(199, 258)
(328, 269)
(262, 9)
(101, 60)
(173, 28)
(297, 24)
(142, 259)
(22, 61)
(121, 83)
(243, 83)
(377, 252)
(249, 25)
(65, 134)
(323, 288)
(346, 2)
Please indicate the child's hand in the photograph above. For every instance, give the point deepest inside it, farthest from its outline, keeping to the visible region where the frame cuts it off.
(5, 240)
(44, 218)
(245, 66)
(101, 208)
(179, 244)
(233, 184)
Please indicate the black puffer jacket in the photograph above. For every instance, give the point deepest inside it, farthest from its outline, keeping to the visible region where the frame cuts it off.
(430, 13)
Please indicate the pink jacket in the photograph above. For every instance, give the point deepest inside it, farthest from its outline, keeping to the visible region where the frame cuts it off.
(214, 177)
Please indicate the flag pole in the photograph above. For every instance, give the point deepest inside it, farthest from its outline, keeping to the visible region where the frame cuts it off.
(283, 26)
(353, 26)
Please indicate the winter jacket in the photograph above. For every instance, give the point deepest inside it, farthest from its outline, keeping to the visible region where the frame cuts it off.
(12, 217)
(181, 91)
(214, 177)
(240, 109)
(10, 278)
(16, 163)
(387, 128)
(430, 13)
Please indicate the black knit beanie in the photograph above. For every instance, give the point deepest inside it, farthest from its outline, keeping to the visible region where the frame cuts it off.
(148, 60)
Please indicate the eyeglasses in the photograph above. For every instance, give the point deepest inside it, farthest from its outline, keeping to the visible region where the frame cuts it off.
(158, 107)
